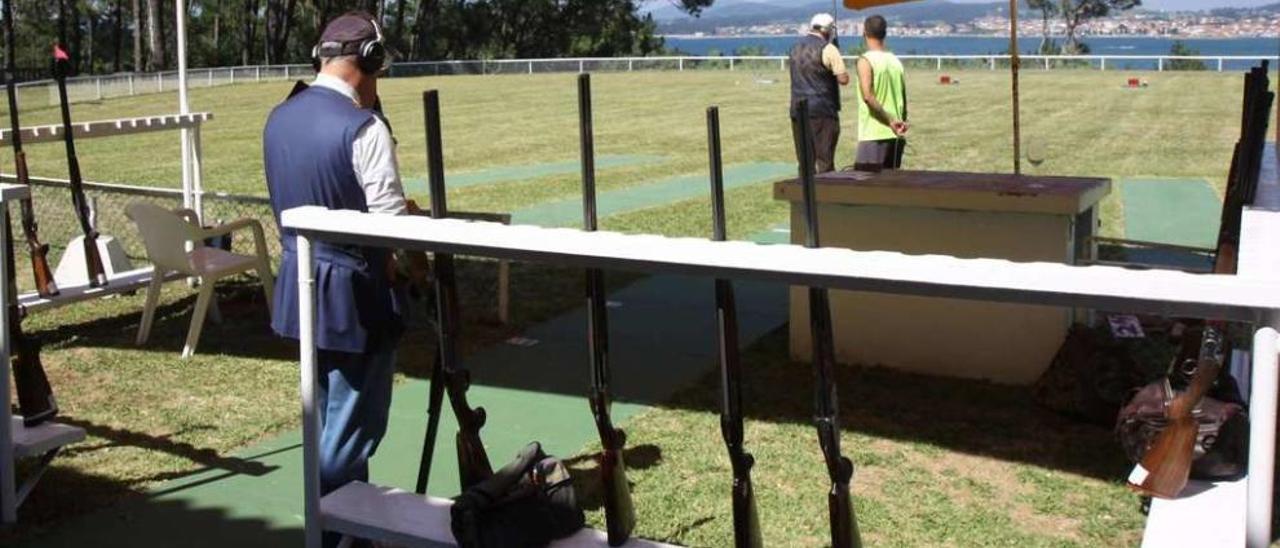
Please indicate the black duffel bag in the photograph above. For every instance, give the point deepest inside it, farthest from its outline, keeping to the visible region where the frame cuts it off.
(528, 503)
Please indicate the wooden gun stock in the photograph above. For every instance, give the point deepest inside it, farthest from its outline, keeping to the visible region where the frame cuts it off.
(844, 525)
(746, 517)
(1166, 467)
(473, 461)
(620, 514)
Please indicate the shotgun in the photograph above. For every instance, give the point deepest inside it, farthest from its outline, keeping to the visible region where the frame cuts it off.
(45, 285)
(844, 525)
(1166, 467)
(746, 519)
(473, 460)
(97, 274)
(35, 396)
(620, 512)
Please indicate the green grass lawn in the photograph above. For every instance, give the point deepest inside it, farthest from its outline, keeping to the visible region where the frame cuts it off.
(945, 464)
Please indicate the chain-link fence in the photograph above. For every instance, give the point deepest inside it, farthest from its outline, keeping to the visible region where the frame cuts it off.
(59, 224)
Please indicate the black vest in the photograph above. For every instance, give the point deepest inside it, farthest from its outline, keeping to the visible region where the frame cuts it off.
(812, 80)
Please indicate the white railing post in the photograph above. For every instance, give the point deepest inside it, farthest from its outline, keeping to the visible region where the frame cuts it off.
(1046, 64)
(939, 63)
(1160, 64)
(1219, 64)
(682, 64)
(630, 64)
(530, 67)
(257, 73)
(286, 72)
(1262, 437)
(582, 66)
(782, 64)
(209, 77)
(131, 93)
(97, 84)
(1104, 64)
(159, 82)
(232, 70)
(731, 60)
(993, 63)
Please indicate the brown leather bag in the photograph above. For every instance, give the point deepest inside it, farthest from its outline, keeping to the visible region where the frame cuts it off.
(1222, 445)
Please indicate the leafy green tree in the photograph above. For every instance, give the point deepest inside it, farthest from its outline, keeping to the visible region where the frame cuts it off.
(1076, 12)
(1181, 49)
(1048, 10)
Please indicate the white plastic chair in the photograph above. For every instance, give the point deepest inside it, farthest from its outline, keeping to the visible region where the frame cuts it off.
(168, 235)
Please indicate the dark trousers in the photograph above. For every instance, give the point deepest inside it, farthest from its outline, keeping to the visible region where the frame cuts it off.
(876, 156)
(826, 133)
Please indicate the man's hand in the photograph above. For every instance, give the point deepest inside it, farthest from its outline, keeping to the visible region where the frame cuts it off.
(900, 128)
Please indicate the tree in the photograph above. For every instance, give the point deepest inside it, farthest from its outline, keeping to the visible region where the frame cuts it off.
(137, 36)
(1075, 12)
(155, 46)
(1181, 49)
(249, 18)
(1048, 9)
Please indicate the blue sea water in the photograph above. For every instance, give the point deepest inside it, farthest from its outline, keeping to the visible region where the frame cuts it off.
(981, 45)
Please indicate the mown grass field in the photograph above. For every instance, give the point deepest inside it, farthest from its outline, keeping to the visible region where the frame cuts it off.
(942, 463)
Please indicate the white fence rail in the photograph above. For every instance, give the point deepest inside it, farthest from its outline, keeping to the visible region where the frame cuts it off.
(92, 88)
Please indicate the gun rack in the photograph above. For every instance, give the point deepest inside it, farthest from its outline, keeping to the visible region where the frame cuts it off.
(109, 128)
(18, 442)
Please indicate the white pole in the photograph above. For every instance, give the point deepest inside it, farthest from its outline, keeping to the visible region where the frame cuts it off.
(184, 107)
(1262, 437)
(310, 415)
(8, 486)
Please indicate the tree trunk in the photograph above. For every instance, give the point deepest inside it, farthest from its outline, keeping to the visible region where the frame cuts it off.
(162, 7)
(216, 60)
(137, 36)
(427, 12)
(1044, 40)
(250, 29)
(279, 23)
(88, 47)
(77, 36)
(399, 32)
(155, 47)
(117, 44)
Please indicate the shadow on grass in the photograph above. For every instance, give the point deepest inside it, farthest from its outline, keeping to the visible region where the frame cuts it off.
(209, 458)
(135, 519)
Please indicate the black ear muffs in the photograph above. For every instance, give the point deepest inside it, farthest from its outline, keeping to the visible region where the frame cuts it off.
(371, 55)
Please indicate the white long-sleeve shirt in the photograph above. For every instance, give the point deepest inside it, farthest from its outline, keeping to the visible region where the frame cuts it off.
(373, 155)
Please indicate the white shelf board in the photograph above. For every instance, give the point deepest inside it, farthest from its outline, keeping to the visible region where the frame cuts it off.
(124, 282)
(1100, 287)
(1211, 516)
(108, 128)
(407, 519)
(37, 440)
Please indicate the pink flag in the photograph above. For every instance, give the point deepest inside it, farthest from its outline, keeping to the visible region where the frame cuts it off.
(60, 54)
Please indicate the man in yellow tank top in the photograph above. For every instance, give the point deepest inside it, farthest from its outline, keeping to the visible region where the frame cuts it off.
(882, 105)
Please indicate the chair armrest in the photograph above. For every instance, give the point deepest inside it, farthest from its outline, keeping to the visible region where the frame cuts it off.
(188, 216)
(259, 237)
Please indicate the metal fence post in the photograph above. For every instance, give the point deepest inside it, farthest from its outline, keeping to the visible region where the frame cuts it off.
(131, 84)
(530, 67)
(257, 73)
(682, 64)
(993, 63)
(731, 60)
(939, 63)
(1104, 64)
(1046, 63)
(1160, 64)
(782, 64)
(286, 72)
(1219, 64)
(97, 83)
(582, 66)
(159, 82)
(209, 76)
(631, 62)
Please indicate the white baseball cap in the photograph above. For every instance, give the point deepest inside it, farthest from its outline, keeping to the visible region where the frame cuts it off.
(822, 21)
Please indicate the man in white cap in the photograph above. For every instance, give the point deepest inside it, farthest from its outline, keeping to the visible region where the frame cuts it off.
(817, 72)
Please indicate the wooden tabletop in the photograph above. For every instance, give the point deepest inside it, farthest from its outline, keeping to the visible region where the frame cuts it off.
(955, 190)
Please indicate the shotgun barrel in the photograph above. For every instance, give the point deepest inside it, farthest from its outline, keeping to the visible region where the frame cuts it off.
(844, 525)
(93, 261)
(39, 251)
(620, 514)
(473, 460)
(746, 518)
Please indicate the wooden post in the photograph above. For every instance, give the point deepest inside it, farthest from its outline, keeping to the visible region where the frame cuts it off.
(1015, 61)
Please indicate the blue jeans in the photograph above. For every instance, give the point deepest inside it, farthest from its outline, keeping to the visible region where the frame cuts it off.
(356, 393)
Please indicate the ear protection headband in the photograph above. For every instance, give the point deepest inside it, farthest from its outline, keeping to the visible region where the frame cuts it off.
(371, 54)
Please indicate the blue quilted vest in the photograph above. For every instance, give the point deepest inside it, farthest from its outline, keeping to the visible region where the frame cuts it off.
(307, 151)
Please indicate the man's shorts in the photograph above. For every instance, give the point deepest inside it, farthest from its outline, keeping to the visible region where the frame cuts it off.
(880, 155)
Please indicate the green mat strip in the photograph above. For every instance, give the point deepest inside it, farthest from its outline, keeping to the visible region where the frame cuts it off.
(1171, 211)
(568, 212)
(507, 174)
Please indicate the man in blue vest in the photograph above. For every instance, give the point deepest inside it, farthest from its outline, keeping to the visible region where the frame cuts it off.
(327, 146)
(817, 72)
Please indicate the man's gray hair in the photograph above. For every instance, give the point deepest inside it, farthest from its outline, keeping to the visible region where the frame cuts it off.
(353, 59)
